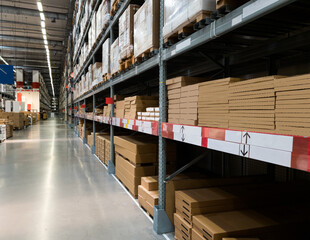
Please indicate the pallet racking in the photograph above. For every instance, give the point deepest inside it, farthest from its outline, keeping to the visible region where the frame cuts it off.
(254, 37)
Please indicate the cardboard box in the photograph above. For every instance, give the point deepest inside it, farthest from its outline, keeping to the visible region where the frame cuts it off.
(126, 30)
(146, 27)
(150, 183)
(237, 223)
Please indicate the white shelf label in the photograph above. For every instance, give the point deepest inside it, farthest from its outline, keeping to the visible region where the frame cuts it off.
(183, 44)
(236, 20)
(228, 147)
(256, 6)
(274, 156)
(271, 141)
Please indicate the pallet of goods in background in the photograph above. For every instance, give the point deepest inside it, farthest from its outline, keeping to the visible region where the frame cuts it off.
(146, 30)
(126, 29)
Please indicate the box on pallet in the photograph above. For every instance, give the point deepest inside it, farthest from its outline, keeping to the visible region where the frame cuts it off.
(106, 57)
(114, 57)
(146, 28)
(183, 13)
(103, 16)
(126, 29)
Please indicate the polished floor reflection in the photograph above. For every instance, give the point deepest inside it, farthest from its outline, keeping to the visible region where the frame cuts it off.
(52, 188)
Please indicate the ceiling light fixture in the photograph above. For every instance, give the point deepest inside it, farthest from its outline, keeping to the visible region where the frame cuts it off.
(43, 25)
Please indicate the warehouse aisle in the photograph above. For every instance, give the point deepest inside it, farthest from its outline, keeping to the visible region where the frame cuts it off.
(51, 187)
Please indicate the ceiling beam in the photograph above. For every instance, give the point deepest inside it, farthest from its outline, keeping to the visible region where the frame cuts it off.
(28, 39)
(30, 50)
(32, 13)
(30, 60)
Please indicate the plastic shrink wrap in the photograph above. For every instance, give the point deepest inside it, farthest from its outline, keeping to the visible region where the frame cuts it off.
(114, 57)
(146, 27)
(106, 57)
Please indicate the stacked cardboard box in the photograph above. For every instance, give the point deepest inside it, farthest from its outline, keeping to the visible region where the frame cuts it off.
(126, 31)
(292, 105)
(189, 105)
(174, 86)
(148, 194)
(97, 73)
(106, 57)
(107, 149)
(135, 158)
(17, 118)
(232, 223)
(180, 14)
(120, 109)
(136, 104)
(146, 28)
(213, 103)
(151, 114)
(9, 126)
(107, 111)
(114, 57)
(252, 104)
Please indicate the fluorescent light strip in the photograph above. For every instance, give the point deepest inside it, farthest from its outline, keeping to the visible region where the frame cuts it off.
(43, 25)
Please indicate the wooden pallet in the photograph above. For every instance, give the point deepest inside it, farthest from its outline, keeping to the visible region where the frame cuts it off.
(127, 63)
(225, 9)
(146, 55)
(149, 214)
(132, 194)
(1, 141)
(116, 73)
(106, 77)
(185, 29)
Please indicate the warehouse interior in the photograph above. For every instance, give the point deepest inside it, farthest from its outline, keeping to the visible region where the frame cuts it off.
(154, 119)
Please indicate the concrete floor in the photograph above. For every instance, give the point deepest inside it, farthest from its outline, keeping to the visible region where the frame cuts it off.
(52, 188)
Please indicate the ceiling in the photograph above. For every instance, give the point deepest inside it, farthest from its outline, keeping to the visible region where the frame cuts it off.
(21, 39)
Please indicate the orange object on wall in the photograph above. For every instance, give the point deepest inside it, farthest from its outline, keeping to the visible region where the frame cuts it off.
(29, 107)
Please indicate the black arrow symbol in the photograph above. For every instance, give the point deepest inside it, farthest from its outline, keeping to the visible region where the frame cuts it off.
(246, 135)
(182, 132)
(244, 152)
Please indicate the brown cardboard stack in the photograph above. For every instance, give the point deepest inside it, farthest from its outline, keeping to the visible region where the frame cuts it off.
(99, 111)
(148, 194)
(252, 104)
(174, 86)
(107, 111)
(9, 126)
(189, 105)
(146, 28)
(227, 198)
(134, 159)
(213, 103)
(103, 147)
(107, 149)
(17, 118)
(215, 226)
(136, 104)
(120, 109)
(196, 180)
(126, 31)
(292, 105)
